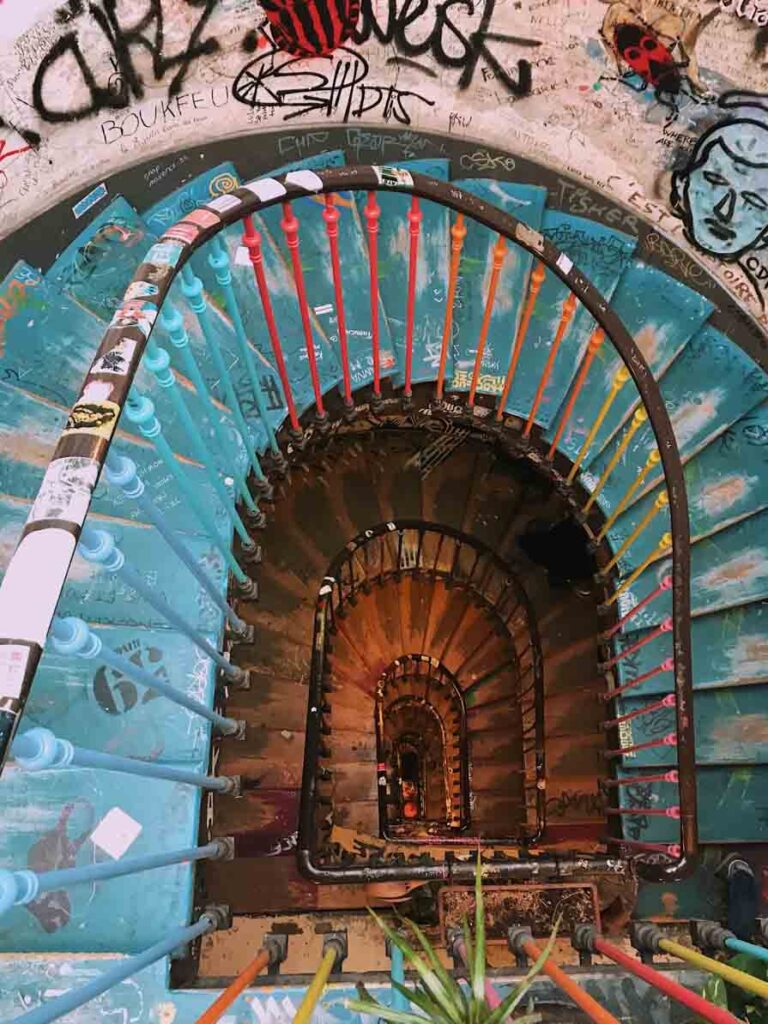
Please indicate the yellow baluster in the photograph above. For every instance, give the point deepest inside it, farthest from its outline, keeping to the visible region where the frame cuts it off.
(620, 378)
(730, 974)
(537, 279)
(661, 502)
(596, 340)
(458, 234)
(652, 461)
(499, 251)
(664, 545)
(316, 987)
(638, 420)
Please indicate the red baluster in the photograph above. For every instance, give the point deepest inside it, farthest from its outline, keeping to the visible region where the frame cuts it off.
(657, 705)
(569, 308)
(671, 849)
(252, 242)
(665, 627)
(372, 213)
(666, 584)
(414, 228)
(667, 665)
(290, 226)
(499, 252)
(595, 341)
(670, 740)
(331, 216)
(631, 780)
(673, 811)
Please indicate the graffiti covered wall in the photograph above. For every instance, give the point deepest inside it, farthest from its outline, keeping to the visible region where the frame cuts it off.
(657, 102)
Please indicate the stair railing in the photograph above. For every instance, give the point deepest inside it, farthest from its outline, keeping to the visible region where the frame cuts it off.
(39, 566)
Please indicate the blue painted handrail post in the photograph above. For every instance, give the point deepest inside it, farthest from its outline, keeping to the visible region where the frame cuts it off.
(173, 322)
(121, 472)
(72, 636)
(40, 750)
(397, 973)
(209, 921)
(99, 547)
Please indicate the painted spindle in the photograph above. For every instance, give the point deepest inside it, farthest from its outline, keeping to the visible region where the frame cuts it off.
(72, 636)
(40, 750)
(670, 740)
(98, 546)
(499, 253)
(192, 287)
(668, 701)
(219, 1006)
(372, 213)
(331, 216)
(596, 340)
(218, 258)
(290, 226)
(673, 811)
(252, 242)
(158, 362)
(626, 652)
(741, 979)
(666, 584)
(537, 279)
(315, 988)
(668, 665)
(120, 471)
(173, 322)
(632, 780)
(414, 230)
(653, 460)
(566, 316)
(176, 938)
(458, 234)
(620, 378)
(639, 417)
(670, 849)
(664, 545)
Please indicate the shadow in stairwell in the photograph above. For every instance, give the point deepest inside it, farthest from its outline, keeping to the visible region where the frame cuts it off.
(562, 549)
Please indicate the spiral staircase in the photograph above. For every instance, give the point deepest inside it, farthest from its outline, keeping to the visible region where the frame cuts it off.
(392, 421)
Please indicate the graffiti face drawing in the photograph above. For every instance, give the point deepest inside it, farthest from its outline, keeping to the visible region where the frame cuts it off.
(722, 195)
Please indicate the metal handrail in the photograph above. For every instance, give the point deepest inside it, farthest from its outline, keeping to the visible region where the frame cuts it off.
(27, 609)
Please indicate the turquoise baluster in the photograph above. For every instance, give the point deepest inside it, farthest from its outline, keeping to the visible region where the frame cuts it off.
(218, 258)
(71, 636)
(173, 322)
(158, 362)
(99, 546)
(141, 410)
(192, 287)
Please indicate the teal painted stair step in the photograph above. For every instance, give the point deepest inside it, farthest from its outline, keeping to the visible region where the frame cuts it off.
(527, 203)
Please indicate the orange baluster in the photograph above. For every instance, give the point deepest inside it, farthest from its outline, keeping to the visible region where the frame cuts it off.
(592, 1009)
(458, 234)
(593, 346)
(499, 251)
(537, 279)
(569, 308)
(230, 994)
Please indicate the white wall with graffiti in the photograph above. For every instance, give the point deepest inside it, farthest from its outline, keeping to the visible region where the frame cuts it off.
(657, 102)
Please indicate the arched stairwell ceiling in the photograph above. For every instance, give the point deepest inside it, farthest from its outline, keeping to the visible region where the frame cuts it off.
(713, 390)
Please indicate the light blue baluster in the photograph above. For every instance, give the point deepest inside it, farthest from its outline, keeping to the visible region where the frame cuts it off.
(52, 1009)
(158, 362)
(40, 750)
(397, 973)
(173, 322)
(71, 636)
(141, 410)
(192, 287)
(120, 471)
(98, 546)
(740, 946)
(218, 258)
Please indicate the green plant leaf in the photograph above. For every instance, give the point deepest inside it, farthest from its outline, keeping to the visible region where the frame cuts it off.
(387, 1013)
(448, 982)
(424, 1001)
(508, 1005)
(478, 974)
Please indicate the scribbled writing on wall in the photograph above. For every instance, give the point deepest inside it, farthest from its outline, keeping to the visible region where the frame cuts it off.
(721, 194)
(274, 79)
(115, 89)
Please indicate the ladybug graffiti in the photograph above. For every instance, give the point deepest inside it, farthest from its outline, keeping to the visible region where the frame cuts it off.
(646, 55)
(311, 28)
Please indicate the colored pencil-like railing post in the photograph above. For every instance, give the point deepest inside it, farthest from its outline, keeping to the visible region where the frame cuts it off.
(712, 937)
(331, 216)
(566, 316)
(497, 262)
(458, 234)
(594, 344)
(372, 212)
(270, 956)
(620, 378)
(72, 636)
(209, 921)
(334, 953)
(414, 230)
(537, 280)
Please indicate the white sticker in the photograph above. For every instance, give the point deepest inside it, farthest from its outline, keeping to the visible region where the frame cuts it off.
(265, 188)
(223, 203)
(320, 310)
(135, 313)
(393, 176)
(305, 179)
(13, 665)
(140, 290)
(165, 254)
(116, 833)
(242, 256)
(117, 359)
(564, 263)
(33, 581)
(65, 492)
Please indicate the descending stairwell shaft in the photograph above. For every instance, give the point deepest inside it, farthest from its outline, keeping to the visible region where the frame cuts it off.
(26, 610)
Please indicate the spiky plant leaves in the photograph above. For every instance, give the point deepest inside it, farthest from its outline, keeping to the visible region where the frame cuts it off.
(477, 973)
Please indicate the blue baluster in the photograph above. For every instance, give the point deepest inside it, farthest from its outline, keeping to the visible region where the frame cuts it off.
(51, 1010)
(120, 471)
(173, 322)
(218, 258)
(141, 410)
(71, 636)
(98, 546)
(158, 362)
(193, 289)
(40, 750)
(397, 973)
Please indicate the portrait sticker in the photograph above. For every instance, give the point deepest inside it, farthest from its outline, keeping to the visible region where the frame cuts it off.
(66, 490)
(141, 290)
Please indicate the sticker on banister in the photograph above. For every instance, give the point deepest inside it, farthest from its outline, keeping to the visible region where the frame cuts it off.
(392, 176)
(223, 203)
(305, 179)
(65, 492)
(32, 584)
(13, 665)
(266, 188)
(116, 833)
